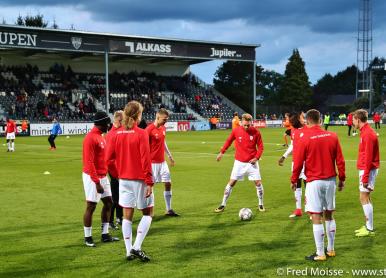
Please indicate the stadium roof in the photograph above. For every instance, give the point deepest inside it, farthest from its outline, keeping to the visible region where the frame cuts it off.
(150, 49)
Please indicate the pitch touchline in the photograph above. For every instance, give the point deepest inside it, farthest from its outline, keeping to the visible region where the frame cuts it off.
(214, 154)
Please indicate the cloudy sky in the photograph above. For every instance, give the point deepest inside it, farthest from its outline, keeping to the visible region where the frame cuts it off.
(324, 31)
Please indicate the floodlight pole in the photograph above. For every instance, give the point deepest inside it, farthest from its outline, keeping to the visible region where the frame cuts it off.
(254, 89)
(107, 81)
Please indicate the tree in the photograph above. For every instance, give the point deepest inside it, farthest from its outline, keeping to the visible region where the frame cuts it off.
(268, 83)
(19, 21)
(234, 80)
(54, 25)
(32, 21)
(296, 90)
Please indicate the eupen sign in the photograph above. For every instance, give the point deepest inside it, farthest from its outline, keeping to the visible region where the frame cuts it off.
(17, 39)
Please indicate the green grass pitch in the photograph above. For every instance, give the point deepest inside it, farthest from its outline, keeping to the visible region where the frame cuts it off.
(41, 230)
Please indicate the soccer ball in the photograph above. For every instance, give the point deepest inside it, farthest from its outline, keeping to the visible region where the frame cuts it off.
(245, 214)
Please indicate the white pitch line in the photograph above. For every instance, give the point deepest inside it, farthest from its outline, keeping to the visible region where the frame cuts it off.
(214, 154)
(215, 142)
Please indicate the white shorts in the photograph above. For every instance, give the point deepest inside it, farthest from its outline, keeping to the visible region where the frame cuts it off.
(11, 136)
(161, 172)
(372, 175)
(320, 196)
(240, 169)
(132, 194)
(302, 175)
(90, 188)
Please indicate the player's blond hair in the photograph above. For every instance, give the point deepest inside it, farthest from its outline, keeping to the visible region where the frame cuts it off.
(132, 113)
(118, 114)
(163, 111)
(360, 114)
(246, 117)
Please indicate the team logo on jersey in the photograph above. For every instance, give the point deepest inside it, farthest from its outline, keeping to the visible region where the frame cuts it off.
(301, 135)
(251, 137)
(76, 42)
(102, 144)
(240, 138)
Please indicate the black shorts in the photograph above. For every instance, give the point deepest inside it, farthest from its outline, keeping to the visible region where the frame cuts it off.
(288, 132)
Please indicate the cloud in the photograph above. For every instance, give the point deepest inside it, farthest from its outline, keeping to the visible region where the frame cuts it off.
(324, 31)
(330, 16)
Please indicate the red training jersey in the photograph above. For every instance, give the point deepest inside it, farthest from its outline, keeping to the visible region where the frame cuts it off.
(368, 155)
(157, 142)
(11, 127)
(246, 142)
(131, 152)
(349, 119)
(295, 136)
(112, 168)
(319, 150)
(377, 118)
(94, 154)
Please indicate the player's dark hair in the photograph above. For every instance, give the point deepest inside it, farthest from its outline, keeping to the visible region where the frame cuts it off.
(294, 119)
(132, 113)
(313, 116)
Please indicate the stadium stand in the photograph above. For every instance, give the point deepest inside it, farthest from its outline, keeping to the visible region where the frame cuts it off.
(27, 92)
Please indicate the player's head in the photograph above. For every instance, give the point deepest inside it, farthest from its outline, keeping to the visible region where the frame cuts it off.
(295, 120)
(102, 121)
(359, 118)
(54, 120)
(7, 119)
(162, 117)
(235, 114)
(313, 117)
(132, 114)
(118, 117)
(246, 121)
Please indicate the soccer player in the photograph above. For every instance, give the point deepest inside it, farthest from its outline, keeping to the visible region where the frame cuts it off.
(319, 151)
(113, 173)
(235, 120)
(96, 184)
(367, 164)
(288, 128)
(296, 122)
(349, 123)
(130, 149)
(55, 131)
(10, 133)
(377, 121)
(326, 121)
(246, 159)
(158, 148)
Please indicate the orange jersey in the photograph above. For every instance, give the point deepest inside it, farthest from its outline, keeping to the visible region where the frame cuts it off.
(287, 124)
(235, 122)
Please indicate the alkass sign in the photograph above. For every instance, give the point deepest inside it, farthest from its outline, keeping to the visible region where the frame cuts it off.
(19, 130)
(171, 126)
(259, 123)
(183, 126)
(144, 47)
